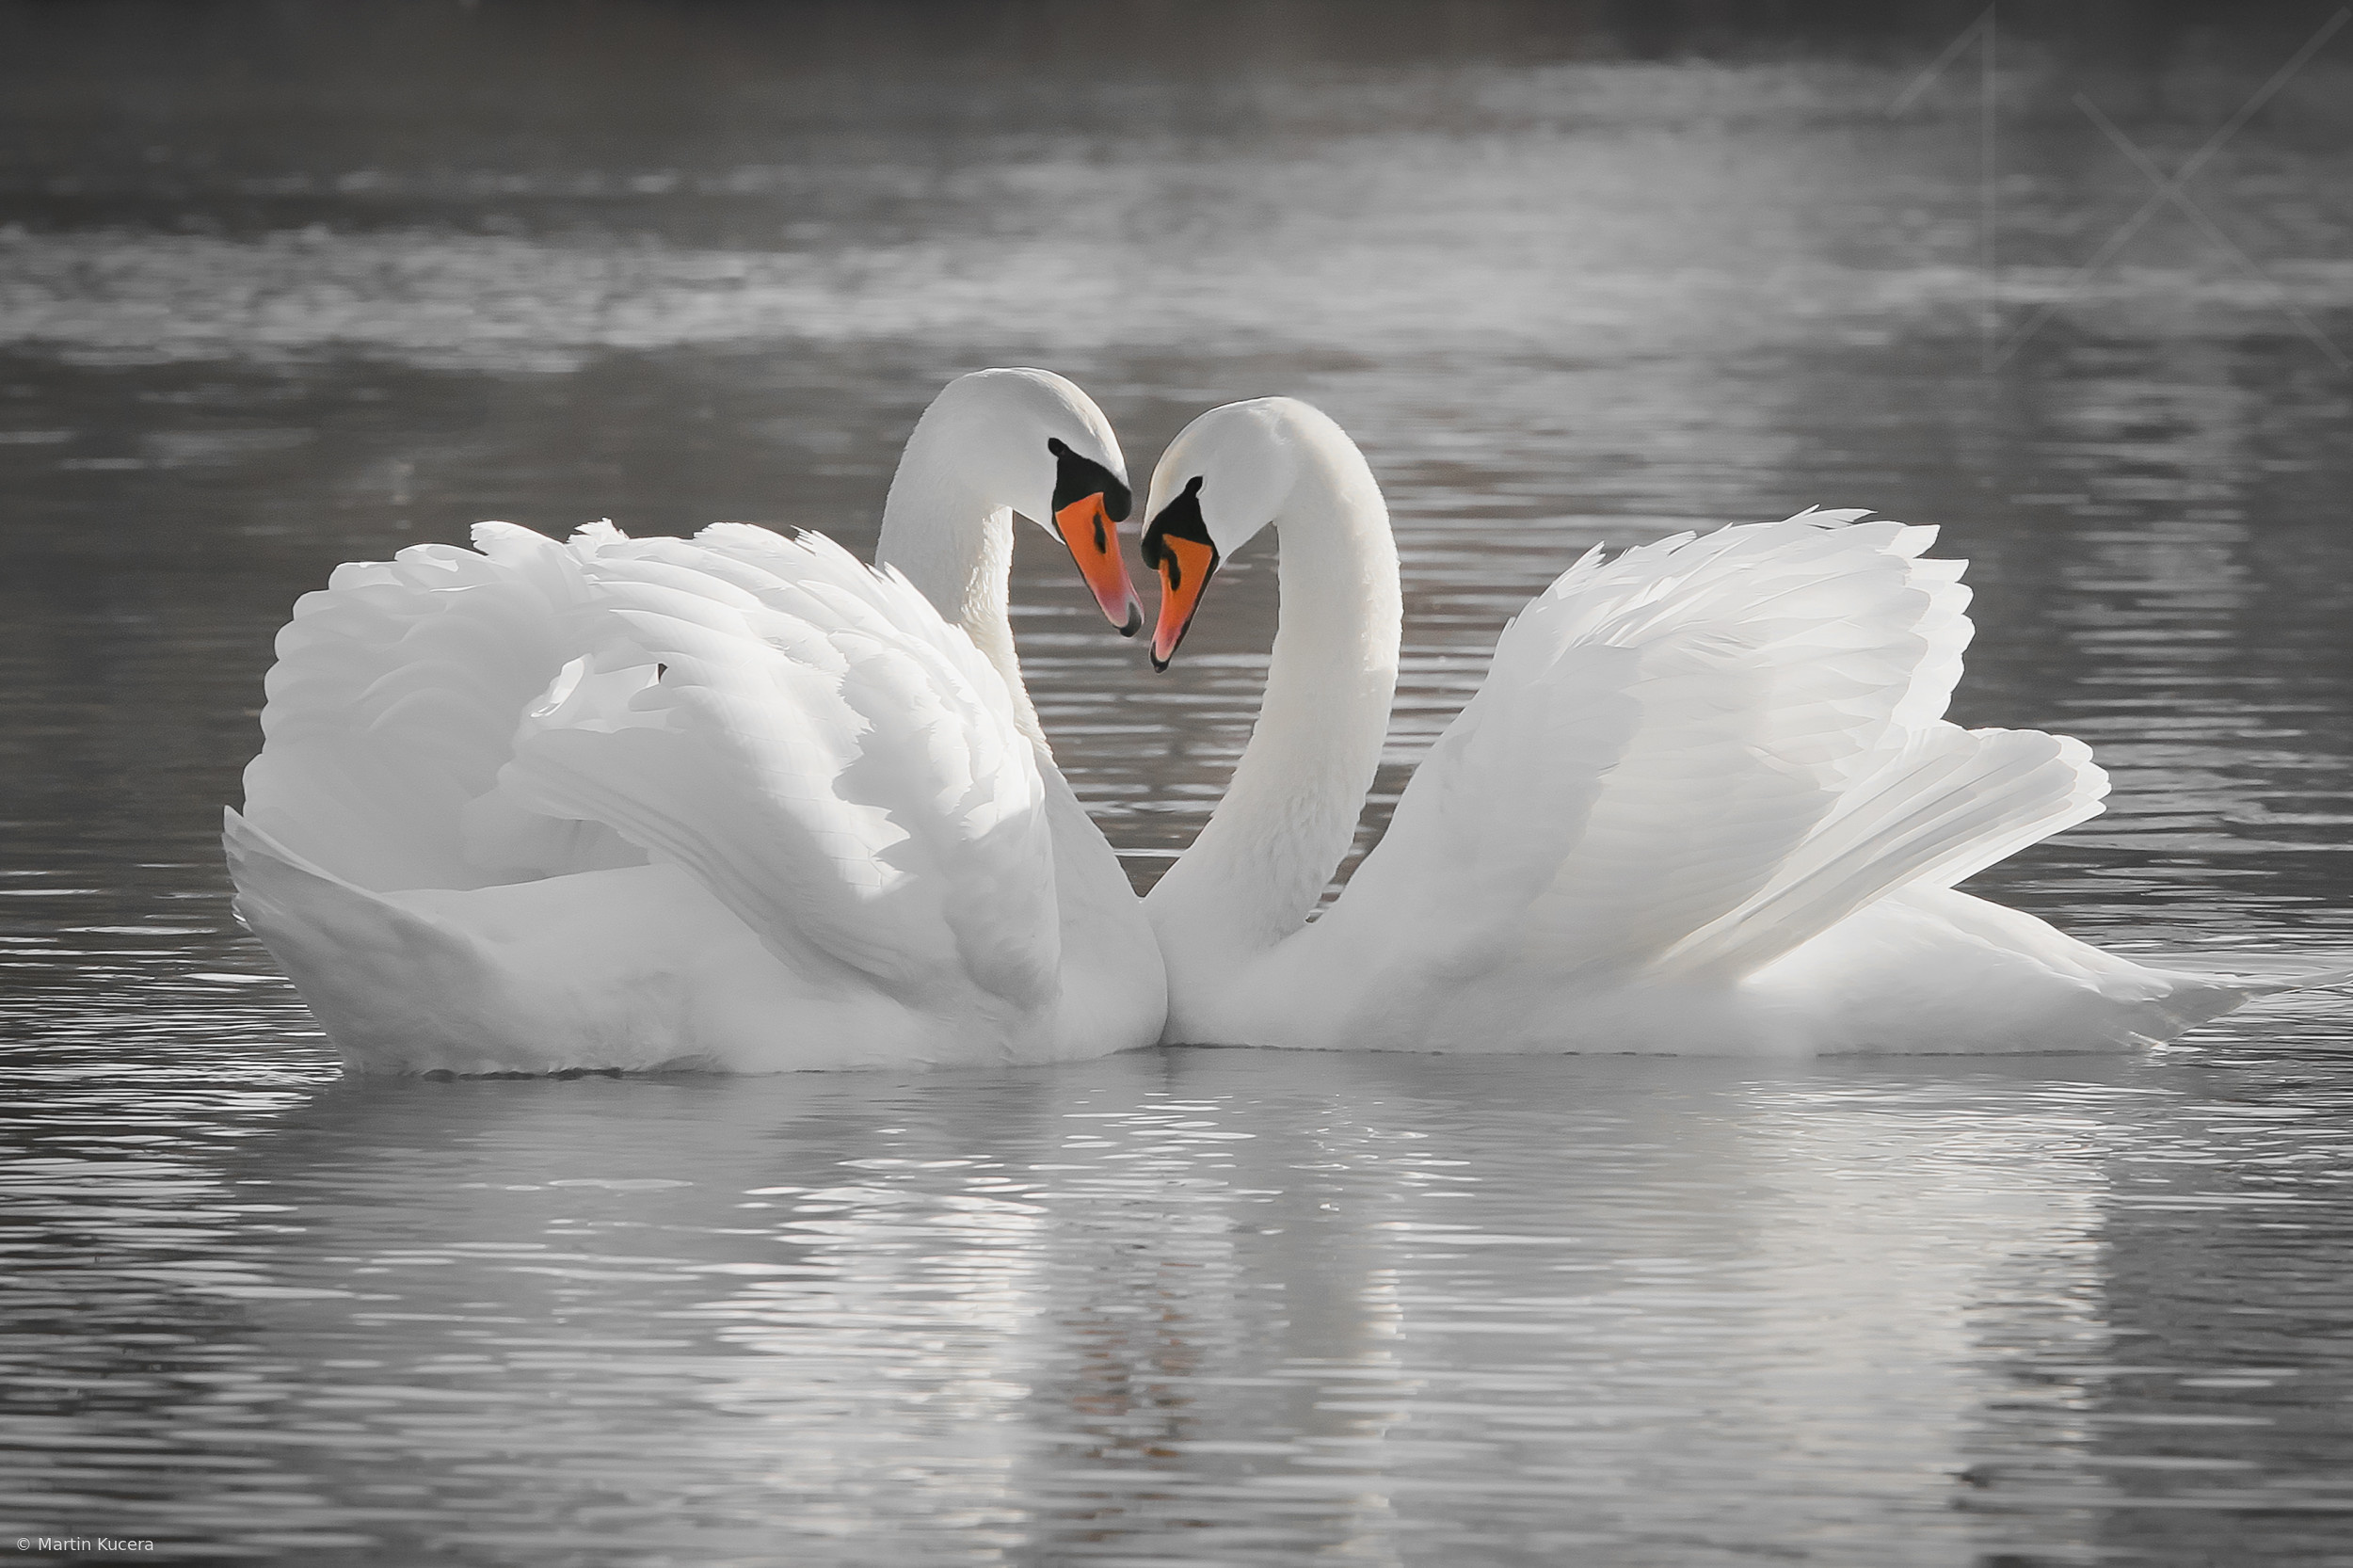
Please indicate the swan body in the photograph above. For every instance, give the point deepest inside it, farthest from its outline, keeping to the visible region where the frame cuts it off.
(1705, 800)
(737, 802)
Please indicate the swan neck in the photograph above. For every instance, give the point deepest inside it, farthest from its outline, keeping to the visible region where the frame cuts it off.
(954, 545)
(1289, 815)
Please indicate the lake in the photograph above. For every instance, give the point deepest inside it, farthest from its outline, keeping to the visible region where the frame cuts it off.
(281, 288)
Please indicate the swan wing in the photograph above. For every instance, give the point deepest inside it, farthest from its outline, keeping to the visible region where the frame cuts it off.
(1950, 803)
(1706, 750)
(841, 768)
(393, 704)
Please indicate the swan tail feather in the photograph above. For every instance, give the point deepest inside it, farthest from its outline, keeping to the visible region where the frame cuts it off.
(2313, 980)
(1932, 969)
(391, 985)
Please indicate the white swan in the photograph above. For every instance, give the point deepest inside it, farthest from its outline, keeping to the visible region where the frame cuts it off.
(1704, 802)
(738, 801)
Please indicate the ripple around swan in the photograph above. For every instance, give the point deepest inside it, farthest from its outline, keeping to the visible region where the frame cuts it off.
(1192, 1307)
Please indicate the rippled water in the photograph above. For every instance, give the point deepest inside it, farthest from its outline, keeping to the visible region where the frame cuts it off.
(274, 299)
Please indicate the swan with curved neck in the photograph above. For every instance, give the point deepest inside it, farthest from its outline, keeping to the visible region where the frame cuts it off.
(1703, 801)
(735, 802)
(996, 443)
(1291, 810)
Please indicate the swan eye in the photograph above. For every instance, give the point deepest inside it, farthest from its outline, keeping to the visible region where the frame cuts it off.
(1076, 477)
(1179, 545)
(1180, 519)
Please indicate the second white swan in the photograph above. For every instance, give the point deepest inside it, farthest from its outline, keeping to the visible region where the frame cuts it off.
(1705, 800)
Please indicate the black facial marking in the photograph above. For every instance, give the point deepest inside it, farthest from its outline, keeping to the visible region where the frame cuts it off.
(1076, 477)
(1179, 520)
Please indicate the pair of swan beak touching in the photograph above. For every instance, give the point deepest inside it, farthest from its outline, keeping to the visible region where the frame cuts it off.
(1090, 501)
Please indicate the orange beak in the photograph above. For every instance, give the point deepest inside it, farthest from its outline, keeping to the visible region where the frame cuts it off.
(1185, 568)
(1086, 527)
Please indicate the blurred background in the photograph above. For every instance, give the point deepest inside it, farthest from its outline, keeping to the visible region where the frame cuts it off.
(284, 285)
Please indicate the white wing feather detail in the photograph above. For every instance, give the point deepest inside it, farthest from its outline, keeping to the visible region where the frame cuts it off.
(1495, 806)
(393, 706)
(840, 766)
(1954, 803)
(835, 761)
(1694, 757)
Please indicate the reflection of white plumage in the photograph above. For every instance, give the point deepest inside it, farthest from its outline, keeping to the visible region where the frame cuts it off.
(736, 801)
(1704, 801)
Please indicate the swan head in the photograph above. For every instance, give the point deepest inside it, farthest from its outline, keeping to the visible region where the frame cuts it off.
(1031, 441)
(1225, 477)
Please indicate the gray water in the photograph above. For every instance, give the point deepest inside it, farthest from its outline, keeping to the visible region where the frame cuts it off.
(281, 288)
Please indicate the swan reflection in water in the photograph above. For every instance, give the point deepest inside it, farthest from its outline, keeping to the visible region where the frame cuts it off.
(1242, 1302)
